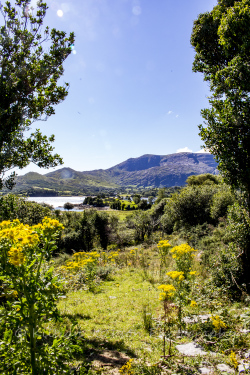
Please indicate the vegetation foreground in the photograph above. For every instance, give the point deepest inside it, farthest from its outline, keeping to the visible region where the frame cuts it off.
(99, 293)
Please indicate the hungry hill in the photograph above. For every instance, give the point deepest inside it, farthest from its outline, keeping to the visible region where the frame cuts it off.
(147, 171)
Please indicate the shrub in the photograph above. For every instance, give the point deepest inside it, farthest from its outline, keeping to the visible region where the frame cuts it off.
(14, 207)
(68, 206)
(189, 208)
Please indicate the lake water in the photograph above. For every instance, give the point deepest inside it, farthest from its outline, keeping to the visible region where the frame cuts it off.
(57, 202)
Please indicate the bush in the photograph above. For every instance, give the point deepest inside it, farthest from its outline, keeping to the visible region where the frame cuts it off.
(68, 206)
(14, 207)
(222, 200)
(189, 208)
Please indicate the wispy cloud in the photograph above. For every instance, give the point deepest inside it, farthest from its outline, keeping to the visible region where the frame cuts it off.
(170, 112)
(184, 149)
(203, 151)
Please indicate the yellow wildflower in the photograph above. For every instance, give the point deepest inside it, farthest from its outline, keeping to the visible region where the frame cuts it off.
(169, 291)
(193, 304)
(192, 273)
(182, 250)
(16, 255)
(126, 369)
(233, 360)
(217, 322)
(176, 275)
(163, 243)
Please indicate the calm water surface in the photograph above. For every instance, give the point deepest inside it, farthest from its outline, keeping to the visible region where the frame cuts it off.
(57, 202)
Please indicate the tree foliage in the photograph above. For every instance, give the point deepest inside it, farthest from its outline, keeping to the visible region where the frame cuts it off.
(14, 207)
(30, 65)
(196, 205)
(203, 179)
(68, 206)
(221, 39)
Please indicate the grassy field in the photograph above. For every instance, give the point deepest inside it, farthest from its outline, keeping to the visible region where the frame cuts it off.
(122, 319)
(121, 215)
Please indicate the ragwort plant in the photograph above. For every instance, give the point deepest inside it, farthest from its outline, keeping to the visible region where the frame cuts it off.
(85, 268)
(32, 292)
(163, 248)
(167, 296)
(183, 277)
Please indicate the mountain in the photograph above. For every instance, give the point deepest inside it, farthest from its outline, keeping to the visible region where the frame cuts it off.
(146, 171)
(158, 170)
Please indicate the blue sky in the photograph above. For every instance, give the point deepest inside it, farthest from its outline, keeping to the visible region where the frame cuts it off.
(132, 89)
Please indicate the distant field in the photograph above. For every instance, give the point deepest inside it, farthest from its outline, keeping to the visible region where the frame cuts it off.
(120, 214)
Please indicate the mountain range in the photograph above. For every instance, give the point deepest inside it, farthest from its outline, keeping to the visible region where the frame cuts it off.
(147, 171)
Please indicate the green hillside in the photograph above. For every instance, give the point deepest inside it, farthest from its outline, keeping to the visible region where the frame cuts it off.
(147, 171)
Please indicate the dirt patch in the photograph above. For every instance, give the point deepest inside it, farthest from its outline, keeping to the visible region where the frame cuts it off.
(111, 360)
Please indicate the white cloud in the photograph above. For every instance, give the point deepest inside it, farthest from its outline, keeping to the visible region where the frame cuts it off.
(177, 116)
(170, 112)
(184, 149)
(203, 151)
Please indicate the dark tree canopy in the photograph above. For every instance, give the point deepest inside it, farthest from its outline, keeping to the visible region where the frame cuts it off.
(31, 61)
(221, 39)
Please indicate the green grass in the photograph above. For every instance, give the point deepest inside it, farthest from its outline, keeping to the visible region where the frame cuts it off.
(120, 214)
(111, 321)
(113, 317)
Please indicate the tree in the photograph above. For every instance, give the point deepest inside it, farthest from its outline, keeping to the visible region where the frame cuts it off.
(161, 195)
(68, 206)
(203, 179)
(221, 39)
(189, 208)
(136, 198)
(30, 65)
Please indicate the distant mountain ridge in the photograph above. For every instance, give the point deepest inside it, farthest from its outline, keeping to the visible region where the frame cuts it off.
(142, 172)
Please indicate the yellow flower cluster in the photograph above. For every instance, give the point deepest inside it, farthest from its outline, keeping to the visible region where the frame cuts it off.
(192, 273)
(16, 256)
(193, 304)
(18, 233)
(48, 225)
(179, 275)
(22, 237)
(167, 293)
(133, 251)
(218, 323)
(182, 250)
(85, 259)
(163, 244)
(81, 260)
(111, 256)
(233, 360)
(126, 369)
